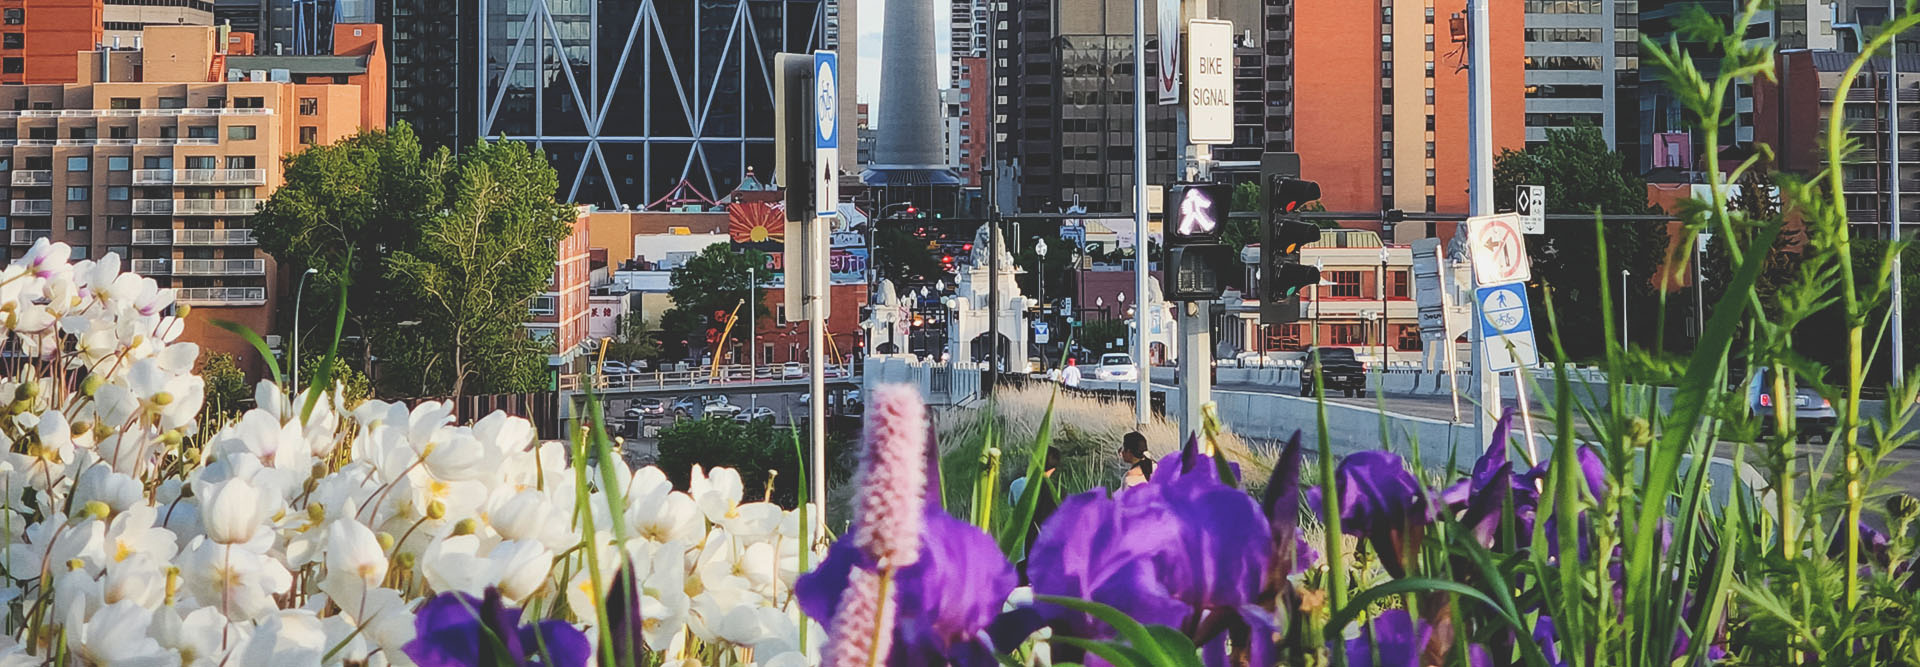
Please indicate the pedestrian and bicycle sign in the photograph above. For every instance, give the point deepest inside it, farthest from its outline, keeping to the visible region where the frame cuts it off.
(1498, 249)
(826, 133)
(1506, 327)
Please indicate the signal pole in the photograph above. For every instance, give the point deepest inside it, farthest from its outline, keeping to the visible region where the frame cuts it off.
(1144, 379)
(1480, 195)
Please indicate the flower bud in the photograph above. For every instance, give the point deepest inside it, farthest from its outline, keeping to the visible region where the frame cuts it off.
(92, 384)
(162, 398)
(18, 407)
(465, 526)
(102, 431)
(183, 310)
(1639, 432)
(316, 512)
(404, 560)
(173, 583)
(78, 429)
(75, 564)
(172, 438)
(437, 510)
(1903, 507)
(385, 540)
(27, 391)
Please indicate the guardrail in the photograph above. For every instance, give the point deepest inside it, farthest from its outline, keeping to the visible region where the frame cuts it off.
(28, 236)
(213, 237)
(220, 176)
(153, 237)
(32, 207)
(149, 266)
(153, 207)
(215, 206)
(736, 376)
(153, 177)
(221, 296)
(219, 267)
(31, 177)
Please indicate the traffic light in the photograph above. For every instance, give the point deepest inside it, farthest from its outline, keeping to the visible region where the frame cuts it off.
(1282, 235)
(1194, 260)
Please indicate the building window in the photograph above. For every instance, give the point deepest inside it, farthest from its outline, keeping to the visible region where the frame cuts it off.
(242, 132)
(78, 164)
(309, 134)
(80, 252)
(309, 106)
(16, 16)
(82, 133)
(13, 65)
(1397, 286)
(77, 223)
(41, 132)
(173, 103)
(120, 132)
(249, 103)
(124, 103)
(1408, 339)
(216, 103)
(1345, 334)
(78, 193)
(120, 223)
(1345, 283)
(119, 193)
(203, 132)
(14, 40)
(118, 250)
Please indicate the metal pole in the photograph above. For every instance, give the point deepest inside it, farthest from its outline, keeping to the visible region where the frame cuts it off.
(753, 333)
(992, 376)
(1140, 259)
(817, 354)
(1623, 309)
(1383, 319)
(1893, 119)
(1480, 191)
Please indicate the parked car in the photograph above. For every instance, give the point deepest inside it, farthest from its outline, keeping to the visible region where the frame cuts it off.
(1116, 368)
(613, 368)
(720, 409)
(735, 373)
(1813, 414)
(792, 370)
(689, 406)
(1339, 370)
(652, 407)
(762, 413)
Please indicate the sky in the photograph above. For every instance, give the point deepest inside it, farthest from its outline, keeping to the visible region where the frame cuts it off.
(870, 21)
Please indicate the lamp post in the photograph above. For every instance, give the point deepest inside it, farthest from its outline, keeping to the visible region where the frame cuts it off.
(298, 292)
(1040, 248)
(1383, 309)
(1623, 308)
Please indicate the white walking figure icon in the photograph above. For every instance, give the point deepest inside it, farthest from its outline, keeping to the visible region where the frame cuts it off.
(1195, 217)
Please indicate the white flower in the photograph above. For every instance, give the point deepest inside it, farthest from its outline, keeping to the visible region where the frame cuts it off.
(198, 636)
(119, 492)
(450, 565)
(133, 533)
(657, 512)
(354, 554)
(117, 635)
(233, 511)
(528, 515)
(139, 579)
(521, 567)
(288, 637)
(239, 582)
(717, 493)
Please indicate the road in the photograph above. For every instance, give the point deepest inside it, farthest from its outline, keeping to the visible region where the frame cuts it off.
(1440, 408)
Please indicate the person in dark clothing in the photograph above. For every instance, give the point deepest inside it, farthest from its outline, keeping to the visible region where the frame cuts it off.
(1133, 452)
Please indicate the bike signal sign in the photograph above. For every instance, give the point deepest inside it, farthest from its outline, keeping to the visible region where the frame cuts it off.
(1506, 327)
(1499, 250)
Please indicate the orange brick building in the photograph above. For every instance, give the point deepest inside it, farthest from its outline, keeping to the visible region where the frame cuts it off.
(1381, 103)
(41, 36)
(162, 154)
(560, 313)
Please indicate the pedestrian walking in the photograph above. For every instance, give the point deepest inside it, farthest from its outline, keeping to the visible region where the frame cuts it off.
(1070, 376)
(1133, 452)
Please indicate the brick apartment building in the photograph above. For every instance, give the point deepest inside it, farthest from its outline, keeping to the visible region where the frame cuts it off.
(161, 154)
(560, 314)
(39, 37)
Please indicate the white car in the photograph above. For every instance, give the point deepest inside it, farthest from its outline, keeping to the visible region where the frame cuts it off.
(793, 370)
(613, 368)
(720, 409)
(762, 413)
(1116, 368)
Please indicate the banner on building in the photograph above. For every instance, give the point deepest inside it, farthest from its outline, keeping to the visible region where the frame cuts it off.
(757, 225)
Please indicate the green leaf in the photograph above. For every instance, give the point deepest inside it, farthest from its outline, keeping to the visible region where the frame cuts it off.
(323, 380)
(1013, 535)
(1135, 634)
(254, 339)
(1116, 654)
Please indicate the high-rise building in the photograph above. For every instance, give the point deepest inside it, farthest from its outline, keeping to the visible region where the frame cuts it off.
(1065, 96)
(122, 20)
(38, 39)
(626, 97)
(1582, 66)
(161, 154)
(1791, 115)
(1402, 144)
(967, 105)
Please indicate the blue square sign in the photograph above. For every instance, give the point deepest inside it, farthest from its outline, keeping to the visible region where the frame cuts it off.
(1506, 326)
(826, 102)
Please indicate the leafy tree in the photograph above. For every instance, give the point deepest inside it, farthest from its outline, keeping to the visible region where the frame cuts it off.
(227, 388)
(758, 450)
(1583, 177)
(632, 341)
(714, 281)
(478, 260)
(445, 252)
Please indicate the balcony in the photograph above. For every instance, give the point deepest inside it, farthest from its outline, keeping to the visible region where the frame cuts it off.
(220, 296)
(153, 237)
(149, 267)
(28, 236)
(32, 207)
(129, 113)
(215, 206)
(153, 207)
(219, 267)
(212, 237)
(32, 177)
(220, 176)
(153, 177)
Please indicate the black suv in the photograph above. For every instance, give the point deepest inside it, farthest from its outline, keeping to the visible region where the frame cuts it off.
(1339, 368)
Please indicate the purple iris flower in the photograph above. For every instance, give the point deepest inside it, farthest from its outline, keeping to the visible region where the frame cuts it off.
(1164, 553)
(1187, 460)
(945, 601)
(1401, 641)
(1383, 502)
(460, 630)
(1282, 507)
(1873, 544)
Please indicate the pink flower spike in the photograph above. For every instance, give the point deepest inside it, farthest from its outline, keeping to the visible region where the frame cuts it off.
(864, 617)
(890, 488)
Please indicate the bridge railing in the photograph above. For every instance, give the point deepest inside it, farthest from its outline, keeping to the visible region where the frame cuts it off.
(740, 375)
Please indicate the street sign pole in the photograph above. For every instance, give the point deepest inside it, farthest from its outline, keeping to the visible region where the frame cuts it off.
(826, 144)
(1480, 187)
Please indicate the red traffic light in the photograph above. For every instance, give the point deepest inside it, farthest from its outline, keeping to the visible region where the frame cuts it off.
(912, 210)
(966, 247)
(948, 259)
(1287, 195)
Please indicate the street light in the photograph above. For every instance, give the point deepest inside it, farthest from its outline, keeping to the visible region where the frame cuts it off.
(1040, 248)
(1623, 308)
(298, 292)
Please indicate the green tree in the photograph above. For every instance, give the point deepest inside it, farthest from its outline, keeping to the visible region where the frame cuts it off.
(715, 281)
(227, 388)
(1583, 176)
(446, 252)
(632, 341)
(477, 261)
(364, 195)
